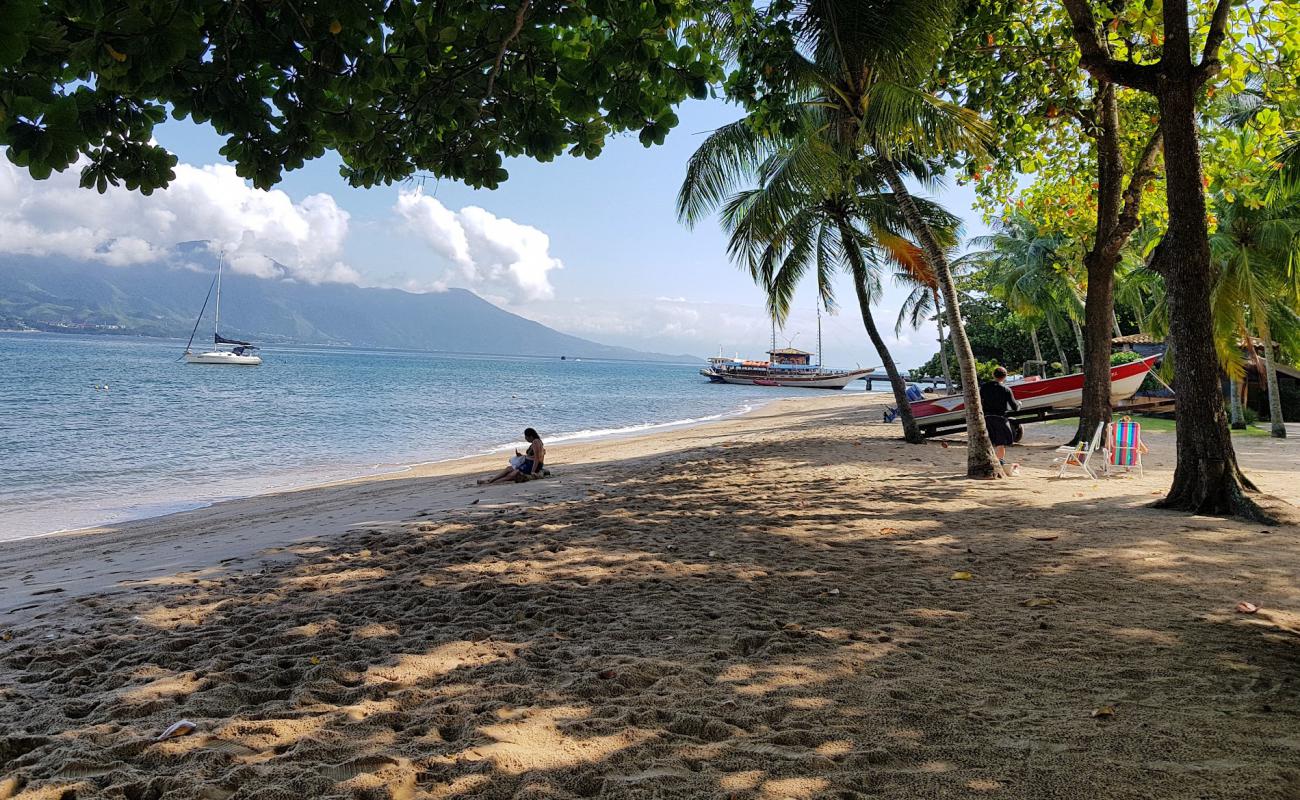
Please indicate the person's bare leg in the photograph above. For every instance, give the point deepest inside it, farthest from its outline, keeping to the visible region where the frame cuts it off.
(1001, 450)
(496, 478)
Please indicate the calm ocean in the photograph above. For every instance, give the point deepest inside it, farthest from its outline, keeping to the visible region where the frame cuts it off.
(167, 436)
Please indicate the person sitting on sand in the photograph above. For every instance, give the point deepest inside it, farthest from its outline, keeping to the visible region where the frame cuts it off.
(524, 466)
(997, 400)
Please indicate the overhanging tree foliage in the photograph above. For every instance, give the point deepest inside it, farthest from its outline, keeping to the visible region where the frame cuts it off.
(393, 86)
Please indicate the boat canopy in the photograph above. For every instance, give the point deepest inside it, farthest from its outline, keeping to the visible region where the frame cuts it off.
(219, 339)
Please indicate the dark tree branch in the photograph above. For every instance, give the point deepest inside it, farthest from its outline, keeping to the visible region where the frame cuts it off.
(505, 44)
(1143, 172)
(1096, 59)
(1210, 63)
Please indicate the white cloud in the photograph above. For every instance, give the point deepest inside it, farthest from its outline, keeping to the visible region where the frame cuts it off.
(699, 327)
(211, 203)
(494, 256)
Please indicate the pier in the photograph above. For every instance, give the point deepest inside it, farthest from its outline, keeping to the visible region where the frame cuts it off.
(933, 384)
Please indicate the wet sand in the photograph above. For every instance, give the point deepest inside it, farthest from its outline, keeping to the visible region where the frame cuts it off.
(789, 604)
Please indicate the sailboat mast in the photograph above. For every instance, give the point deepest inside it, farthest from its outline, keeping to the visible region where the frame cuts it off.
(216, 322)
(819, 335)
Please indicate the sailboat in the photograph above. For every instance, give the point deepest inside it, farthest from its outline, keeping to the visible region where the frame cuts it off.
(242, 354)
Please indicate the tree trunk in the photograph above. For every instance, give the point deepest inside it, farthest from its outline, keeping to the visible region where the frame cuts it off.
(943, 351)
(911, 433)
(1234, 405)
(1207, 479)
(1038, 350)
(980, 460)
(1278, 426)
(1117, 217)
(1099, 311)
(1060, 351)
(1078, 340)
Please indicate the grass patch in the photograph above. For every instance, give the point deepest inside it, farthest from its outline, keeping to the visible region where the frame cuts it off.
(1160, 424)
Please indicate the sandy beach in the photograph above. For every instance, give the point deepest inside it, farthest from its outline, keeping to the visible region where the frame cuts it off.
(789, 604)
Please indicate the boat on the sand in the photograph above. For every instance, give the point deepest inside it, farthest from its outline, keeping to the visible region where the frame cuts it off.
(1038, 397)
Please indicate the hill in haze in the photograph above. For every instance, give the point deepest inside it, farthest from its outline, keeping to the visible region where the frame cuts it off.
(55, 294)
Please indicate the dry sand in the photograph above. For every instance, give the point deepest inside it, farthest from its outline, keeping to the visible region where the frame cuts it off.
(759, 608)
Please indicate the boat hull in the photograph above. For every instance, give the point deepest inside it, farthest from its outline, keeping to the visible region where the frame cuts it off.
(837, 381)
(1063, 392)
(219, 357)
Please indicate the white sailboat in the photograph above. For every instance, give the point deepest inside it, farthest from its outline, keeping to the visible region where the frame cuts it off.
(242, 354)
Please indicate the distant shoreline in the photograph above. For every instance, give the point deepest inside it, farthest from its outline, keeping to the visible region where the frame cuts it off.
(271, 345)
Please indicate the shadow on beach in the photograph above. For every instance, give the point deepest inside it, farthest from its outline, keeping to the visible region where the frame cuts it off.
(779, 615)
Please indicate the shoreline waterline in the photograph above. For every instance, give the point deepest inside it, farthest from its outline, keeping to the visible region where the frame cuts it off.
(114, 431)
(159, 511)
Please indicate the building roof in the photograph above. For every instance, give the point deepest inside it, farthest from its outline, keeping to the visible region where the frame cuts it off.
(788, 351)
(1137, 338)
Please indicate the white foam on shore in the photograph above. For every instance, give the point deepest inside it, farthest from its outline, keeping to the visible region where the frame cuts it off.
(631, 430)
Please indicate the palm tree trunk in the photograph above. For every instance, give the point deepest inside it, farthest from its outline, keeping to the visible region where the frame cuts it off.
(980, 460)
(1060, 351)
(943, 348)
(1114, 322)
(1078, 338)
(1038, 350)
(1234, 404)
(1278, 427)
(911, 433)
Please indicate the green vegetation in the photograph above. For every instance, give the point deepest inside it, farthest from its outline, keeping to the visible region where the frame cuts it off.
(394, 87)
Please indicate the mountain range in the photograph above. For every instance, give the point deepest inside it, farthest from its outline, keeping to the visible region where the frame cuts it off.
(164, 298)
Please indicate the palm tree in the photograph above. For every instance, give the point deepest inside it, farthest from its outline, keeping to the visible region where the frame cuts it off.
(812, 210)
(1255, 294)
(1258, 286)
(1022, 268)
(859, 63)
(923, 303)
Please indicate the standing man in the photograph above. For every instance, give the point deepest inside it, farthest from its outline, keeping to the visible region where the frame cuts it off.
(997, 401)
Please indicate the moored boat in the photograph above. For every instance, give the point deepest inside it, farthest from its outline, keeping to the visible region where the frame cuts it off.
(786, 367)
(242, 354)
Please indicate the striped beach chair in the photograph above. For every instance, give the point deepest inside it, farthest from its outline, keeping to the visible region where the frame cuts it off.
(1126, 446)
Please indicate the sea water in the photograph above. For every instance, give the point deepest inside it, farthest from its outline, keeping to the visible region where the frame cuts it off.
(99, 429)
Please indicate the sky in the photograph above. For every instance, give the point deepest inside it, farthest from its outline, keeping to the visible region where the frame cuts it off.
(589, 247)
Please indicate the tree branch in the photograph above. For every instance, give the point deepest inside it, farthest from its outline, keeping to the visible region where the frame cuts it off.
(505, 43)
(1210, 63)
(1096, 59)
(1143, 172)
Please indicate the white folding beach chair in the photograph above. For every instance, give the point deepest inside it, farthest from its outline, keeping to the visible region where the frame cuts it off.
(1081, 455)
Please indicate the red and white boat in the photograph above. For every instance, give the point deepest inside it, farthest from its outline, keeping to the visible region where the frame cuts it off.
(1035, 394)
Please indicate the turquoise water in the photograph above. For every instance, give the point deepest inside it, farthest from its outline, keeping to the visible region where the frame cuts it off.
(166, 436)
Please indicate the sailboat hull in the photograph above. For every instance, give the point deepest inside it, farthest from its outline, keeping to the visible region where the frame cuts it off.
(222, 357)
(817, 379)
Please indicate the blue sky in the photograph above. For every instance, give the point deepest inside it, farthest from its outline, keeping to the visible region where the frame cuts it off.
(597, 241)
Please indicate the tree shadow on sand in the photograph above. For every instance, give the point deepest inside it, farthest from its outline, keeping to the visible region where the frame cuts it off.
(677, 635)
